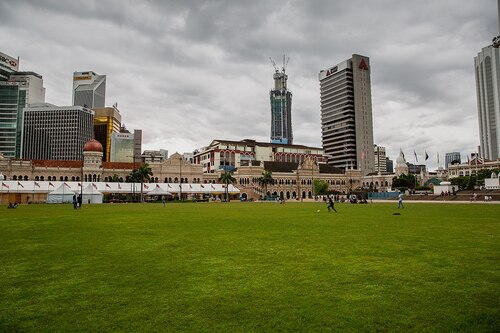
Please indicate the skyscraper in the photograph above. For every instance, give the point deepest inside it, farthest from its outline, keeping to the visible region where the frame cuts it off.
(17, 90)
(346, 114)
(487, 66)
(281, 108)
(53, 132)
(89, 89)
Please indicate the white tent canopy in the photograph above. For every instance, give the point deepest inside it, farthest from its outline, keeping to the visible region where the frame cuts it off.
(91, 194)
(158, 190)
(62, 194)
(70, 187)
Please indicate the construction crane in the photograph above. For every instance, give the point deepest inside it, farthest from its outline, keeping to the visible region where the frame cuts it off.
(274, 64)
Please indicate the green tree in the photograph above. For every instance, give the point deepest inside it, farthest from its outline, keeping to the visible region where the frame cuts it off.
(140, 175)
(227, 178)
(266, 179)
(115, 178)
(404, 182)
(320, 187)
(464, 182)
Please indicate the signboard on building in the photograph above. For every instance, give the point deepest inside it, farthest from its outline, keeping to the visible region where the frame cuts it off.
(8, 62)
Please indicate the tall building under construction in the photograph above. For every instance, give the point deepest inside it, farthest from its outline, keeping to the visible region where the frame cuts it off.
(281, 108)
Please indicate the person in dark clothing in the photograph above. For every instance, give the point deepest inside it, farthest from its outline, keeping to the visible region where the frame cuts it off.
(75, 203)
(80, 201)
(330, 204)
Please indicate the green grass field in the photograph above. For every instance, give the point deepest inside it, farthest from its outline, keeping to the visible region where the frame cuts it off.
(250, 267)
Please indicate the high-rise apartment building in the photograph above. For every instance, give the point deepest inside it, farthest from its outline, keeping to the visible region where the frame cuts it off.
(346, 114)
(451, 158)
(380, 159)
(17, 90)
(53, 132)
(487, 66)
(106, 121)
(89, 89)
(281, 108)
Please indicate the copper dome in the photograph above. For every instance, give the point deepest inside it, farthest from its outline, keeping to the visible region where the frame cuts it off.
(93, 145)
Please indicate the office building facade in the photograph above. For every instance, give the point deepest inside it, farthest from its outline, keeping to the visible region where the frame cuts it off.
(346, 114)
(452, 158)
(380, 159)
(126, 147)
(19, 90)
(89, 89)
(281, 110)
(107, 120)
(487, 70)
(53, 132)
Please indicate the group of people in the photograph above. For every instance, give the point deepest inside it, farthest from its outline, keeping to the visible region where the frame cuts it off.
(12, 205)
(77, 201)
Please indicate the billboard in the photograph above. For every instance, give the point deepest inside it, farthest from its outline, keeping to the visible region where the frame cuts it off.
(7, 62)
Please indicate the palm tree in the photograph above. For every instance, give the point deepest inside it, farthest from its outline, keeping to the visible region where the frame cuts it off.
(140, 175)
(227, 178)
(267, 178)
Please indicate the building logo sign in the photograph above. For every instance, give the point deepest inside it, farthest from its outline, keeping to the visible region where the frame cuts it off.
(363, 65)
(8, 62)
(331, 71)
(81, 78)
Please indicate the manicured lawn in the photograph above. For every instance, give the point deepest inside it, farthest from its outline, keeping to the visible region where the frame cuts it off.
(250, 267)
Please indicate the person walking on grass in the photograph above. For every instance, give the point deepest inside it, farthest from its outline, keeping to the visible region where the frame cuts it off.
(400, 200)
(330, 204)
(75, 203)
(163, 200)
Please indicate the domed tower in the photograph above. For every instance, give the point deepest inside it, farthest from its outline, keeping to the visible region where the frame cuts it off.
(92, 161)
(401, 166)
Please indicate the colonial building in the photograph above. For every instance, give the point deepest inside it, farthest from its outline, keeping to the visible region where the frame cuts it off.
(471, 167)
(229, 155)
(294, 180)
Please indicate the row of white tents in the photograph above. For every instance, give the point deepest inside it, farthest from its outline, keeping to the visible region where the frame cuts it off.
(61, 191)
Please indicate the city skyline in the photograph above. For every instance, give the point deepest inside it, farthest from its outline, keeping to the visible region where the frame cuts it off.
(177, 69)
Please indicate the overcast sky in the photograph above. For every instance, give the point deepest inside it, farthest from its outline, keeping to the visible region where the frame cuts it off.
(187, 72)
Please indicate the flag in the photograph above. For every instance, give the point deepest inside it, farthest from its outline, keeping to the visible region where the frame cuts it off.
(202, 186)
(426, 156)
(37, 185)
(169, 186)
(119, 186)
(79, 184)
(67, 185)
(190, 186)
(94, 185)
(50, 184)
(5, 185)
(223, 186)
(213, 188)
(146, 186)
(416, 158)
(157, 186)
(107, 185)
(19, 184)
